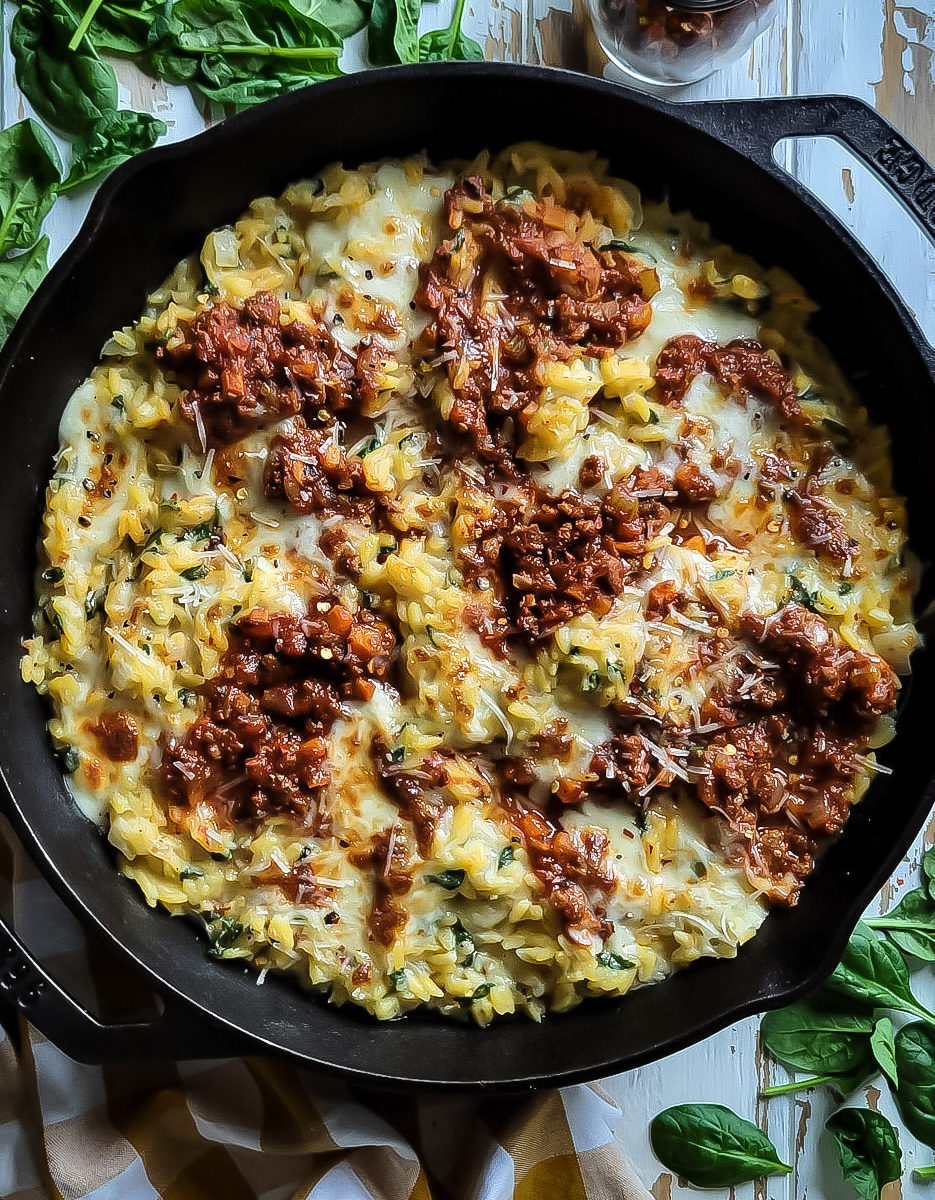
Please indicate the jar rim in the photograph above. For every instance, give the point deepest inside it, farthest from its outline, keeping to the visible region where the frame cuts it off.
(705, 5)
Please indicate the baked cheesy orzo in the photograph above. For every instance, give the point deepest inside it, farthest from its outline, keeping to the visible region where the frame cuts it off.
(465, 589)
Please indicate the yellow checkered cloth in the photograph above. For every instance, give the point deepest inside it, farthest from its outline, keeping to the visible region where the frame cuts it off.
(255, 1128)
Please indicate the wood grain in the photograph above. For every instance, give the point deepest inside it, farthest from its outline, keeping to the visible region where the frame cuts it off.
(881, 51)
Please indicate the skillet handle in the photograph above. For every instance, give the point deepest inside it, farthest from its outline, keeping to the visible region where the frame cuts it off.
(180, 1031)
(755, 126)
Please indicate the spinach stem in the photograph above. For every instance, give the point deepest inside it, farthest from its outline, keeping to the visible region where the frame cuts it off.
(796, 1085)
(269, 51)
(9, 215)
(925, 1172)
(84, 24)
(896, 923)
(456, 20)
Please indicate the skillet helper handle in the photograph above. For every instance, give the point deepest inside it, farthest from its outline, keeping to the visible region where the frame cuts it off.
(755, 126)
(178, 1032)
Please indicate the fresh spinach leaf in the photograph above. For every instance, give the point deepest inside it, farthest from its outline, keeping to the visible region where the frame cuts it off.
(928, 871)
(911, 925)
(380, 30)
(72, 90)
(406, 33)
(884, 1049)
(243, 51)
(343, 17)
(29, 174)
(868, 1150)
(253, 28)
(444, 45)
(393, 32)
(915, 1096)
(19, 278)
(127, 28)
(107, 146)
(809, 1037)
(711, 1146)
(872, 972)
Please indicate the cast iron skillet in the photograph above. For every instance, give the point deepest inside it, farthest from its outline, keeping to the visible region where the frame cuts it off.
(714, 159)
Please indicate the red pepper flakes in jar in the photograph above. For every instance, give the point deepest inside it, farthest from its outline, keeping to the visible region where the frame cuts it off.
(680, 42)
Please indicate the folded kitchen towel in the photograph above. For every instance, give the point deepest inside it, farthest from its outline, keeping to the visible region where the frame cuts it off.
(258, 1128)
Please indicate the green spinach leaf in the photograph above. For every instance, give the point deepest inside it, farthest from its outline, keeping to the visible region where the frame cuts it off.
(19, 278)
(868, 1150)
(127, 28)
(443, 45)
(245, 50)
(808, 1037)
(711, 1146)
(928, 871)
(343, 17)
(380, 30)
(911, 925)
(29, 174)
(393, 32)
(915, 1096)
(872, 972)
(109, 145)
(73, 91)
(884, 1049)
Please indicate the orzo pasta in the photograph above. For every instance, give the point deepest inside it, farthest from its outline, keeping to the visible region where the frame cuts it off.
(462, 588)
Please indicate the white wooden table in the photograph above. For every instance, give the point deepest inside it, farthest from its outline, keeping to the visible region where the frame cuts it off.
(883, 52)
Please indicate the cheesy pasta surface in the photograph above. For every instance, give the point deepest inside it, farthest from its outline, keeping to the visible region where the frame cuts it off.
(463, 588)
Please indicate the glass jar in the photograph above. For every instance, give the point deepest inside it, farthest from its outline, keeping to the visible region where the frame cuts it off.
(677, 42)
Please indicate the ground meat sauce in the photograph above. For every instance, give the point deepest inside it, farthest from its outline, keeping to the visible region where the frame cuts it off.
(387, 857)
(559, 563)
(308, 470)
(743, 367)
(118, 736)
(416, 790)
(554, 557)
(692, 485)
(833, 676)
(782, 774)
(571, 867)
(625, 762)
(553, 293)
(592, 471)
(815, 522)
(780, 768)
(244, 367)
(260, 746)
